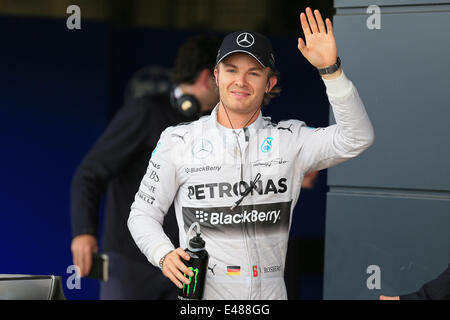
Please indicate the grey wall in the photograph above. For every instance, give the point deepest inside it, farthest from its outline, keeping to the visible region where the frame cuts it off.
(390, 207)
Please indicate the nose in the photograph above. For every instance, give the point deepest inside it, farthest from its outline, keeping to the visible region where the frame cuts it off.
(241, 80)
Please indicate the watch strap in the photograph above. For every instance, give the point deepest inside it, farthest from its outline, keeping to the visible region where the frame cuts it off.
(161, 261)
(331, 69)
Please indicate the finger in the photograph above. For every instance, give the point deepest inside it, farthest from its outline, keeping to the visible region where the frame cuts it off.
(301, 45)
(319, 20)
(329, 26)
(74, 256)
(74, 250)
(183, 268)
(80, 262)
(311, 21)
(178, 275)
(179, 269)
(83, 266)
(174, 280)
(87, 263)
(183, 254)
(305, 25)
(77, 260)
(170, 272)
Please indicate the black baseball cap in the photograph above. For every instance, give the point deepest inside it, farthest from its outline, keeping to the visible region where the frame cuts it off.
(250, 42)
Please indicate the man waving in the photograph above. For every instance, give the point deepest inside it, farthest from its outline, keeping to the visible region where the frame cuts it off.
(238, 174)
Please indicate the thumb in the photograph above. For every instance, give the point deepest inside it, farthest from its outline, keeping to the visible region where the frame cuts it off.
(301, 46)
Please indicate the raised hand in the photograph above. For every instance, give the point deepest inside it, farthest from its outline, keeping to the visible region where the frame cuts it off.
(320, 47)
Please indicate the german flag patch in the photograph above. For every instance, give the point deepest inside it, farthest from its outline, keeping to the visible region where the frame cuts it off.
(233, 270)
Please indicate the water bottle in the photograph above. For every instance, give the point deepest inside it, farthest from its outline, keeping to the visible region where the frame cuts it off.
(198, 263)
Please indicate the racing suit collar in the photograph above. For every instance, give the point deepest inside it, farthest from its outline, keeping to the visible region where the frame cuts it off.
(257, 124)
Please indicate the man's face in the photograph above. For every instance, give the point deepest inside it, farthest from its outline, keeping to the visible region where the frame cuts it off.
(242, 82)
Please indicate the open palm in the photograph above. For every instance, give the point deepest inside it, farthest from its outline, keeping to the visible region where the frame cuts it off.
(320, 47)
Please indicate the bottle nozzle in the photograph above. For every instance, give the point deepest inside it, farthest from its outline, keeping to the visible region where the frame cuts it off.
(196, 242)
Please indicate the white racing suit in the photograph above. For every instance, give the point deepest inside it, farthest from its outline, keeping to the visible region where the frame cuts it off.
(204, 168)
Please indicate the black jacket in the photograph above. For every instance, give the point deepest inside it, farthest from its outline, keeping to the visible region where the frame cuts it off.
(116, 164)
(437, 289)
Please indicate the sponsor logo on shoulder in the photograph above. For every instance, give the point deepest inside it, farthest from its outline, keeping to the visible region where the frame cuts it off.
(266, 145)
(147, 198)
(151, 188)
(179, 136)
(153, 175)
(286, 128)
(155, 165)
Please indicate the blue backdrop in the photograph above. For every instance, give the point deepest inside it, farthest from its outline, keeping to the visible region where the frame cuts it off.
(60, 87)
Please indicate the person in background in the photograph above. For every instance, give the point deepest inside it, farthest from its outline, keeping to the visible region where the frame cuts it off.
(115, 166)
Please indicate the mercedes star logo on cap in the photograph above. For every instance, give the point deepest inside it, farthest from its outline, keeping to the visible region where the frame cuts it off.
(245, 40)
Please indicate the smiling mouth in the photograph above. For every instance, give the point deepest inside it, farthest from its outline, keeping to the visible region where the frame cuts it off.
(240, 94)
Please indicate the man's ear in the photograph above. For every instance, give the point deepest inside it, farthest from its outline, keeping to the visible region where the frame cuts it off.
(271, 83)
(216, 73)
(204, 76)
(205, 79)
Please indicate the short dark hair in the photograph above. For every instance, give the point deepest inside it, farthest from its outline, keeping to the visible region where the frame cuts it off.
(195, 54)
(276, 91)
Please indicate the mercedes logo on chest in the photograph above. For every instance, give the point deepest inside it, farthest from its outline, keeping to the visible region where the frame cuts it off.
(202, 149)
(245, 40)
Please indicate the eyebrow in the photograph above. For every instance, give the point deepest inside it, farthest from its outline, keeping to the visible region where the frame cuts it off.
(233, 66)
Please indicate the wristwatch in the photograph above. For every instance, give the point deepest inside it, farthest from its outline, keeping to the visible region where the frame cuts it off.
(161, 261)
(331, 69)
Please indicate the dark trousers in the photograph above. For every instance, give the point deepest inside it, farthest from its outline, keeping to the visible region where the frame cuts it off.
(133, 280)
